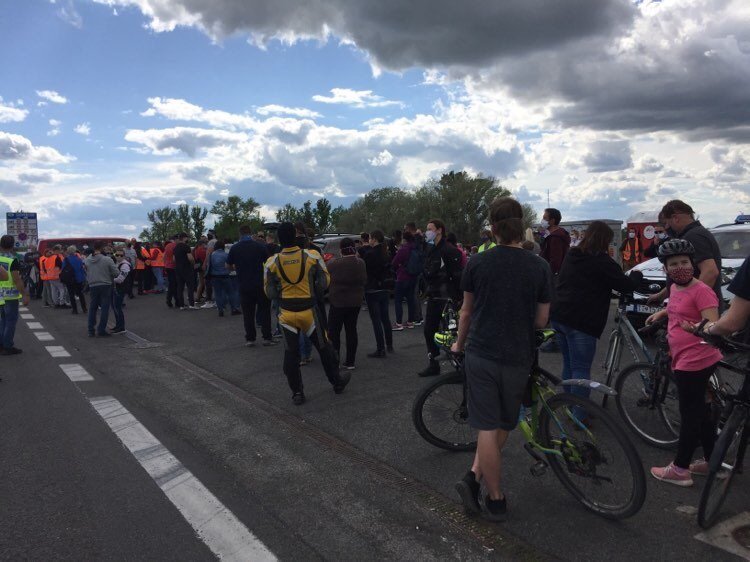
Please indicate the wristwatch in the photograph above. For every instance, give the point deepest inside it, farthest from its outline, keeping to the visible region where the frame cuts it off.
(708, 327)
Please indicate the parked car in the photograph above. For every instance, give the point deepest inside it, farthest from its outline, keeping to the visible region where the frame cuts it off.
(734, 244)
(330, 244)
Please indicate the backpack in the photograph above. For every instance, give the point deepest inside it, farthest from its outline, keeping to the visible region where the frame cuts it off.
(67, 274)
(415, 263)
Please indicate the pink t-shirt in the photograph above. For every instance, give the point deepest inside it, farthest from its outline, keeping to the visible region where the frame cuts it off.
(689, 353)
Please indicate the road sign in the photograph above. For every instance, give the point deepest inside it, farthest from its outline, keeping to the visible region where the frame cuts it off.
(23, 226)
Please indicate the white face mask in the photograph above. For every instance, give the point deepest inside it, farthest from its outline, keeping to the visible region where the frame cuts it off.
(662, 235)
(430, 236)
(544, 223)
(631, 234)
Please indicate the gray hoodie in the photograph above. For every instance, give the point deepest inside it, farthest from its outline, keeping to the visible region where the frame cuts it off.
(100, 270)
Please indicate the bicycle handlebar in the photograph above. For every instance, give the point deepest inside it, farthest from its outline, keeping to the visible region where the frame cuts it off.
(720, 342)
(653, 328)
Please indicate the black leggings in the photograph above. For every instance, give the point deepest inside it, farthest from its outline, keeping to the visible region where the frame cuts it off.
(345, 317)
(292, 358)
(697, 424)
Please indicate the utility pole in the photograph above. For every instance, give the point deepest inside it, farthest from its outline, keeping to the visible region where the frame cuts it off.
(548, 205)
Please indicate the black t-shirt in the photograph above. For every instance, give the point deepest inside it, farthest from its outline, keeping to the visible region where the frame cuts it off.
(706, 248)
(507, 284)
(181, 261)
(740, 285)
(248, 258)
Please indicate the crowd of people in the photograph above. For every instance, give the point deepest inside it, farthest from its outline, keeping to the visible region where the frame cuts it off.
(506, 286)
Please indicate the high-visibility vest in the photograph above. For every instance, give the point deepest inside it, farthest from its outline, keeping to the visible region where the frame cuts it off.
(50, 269)
(627, 252)
(140, 260)
(157, 258)
(486, 246)
(8, 290)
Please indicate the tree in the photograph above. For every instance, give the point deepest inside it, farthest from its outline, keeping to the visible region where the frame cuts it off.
(529, 215)
(164, 223)
(198, 218)
(306, 215)
(322, 216)
(233, 213)
(287, 213)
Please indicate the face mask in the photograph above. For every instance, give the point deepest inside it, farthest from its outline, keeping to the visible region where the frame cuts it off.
(430, 236)
(681, 275)
(662, 235)
(631, 234)
(485, 239)
(544, 223)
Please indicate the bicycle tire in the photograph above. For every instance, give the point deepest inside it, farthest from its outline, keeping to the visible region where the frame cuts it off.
(722, 467)
(634, 493)
(454, 409)
(656, 425)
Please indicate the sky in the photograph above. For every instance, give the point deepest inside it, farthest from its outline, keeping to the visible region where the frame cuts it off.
(110, 108)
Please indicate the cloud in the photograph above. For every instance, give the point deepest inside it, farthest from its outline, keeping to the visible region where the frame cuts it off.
(11, 114)
(181, 110)
(19, 148)
(183, 139)
(83, 129)
(68, 13)
(274, 109)
(355, 98)
(608, 156)
(52, 96)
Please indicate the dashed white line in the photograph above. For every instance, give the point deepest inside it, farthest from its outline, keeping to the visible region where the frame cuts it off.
(44, 336)
(216, 526)
(27, 316)
(22, 309)
(76, 372)
(34, 325)
(57, 351)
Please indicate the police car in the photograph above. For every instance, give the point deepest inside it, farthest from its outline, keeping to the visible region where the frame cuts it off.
(734, 244)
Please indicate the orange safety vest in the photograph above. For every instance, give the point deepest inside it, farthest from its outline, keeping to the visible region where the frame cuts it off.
(157, 258)
(50, 269)
(140, 260)
(627, 253)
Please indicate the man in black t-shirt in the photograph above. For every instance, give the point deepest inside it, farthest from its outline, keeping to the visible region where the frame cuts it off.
(507, 294)
(184, 265)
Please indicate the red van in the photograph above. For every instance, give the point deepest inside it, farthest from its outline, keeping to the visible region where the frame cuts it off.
(78, 242)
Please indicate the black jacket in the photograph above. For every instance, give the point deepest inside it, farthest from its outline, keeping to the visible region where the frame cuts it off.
(442, 270)
(584, 290)
(379, 272)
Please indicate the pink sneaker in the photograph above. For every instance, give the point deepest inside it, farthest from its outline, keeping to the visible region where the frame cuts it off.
(699, 467)
(409, 325)
(397, 327)
(673, 475)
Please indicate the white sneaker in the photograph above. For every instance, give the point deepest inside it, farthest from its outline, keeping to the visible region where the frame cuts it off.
(209, 304)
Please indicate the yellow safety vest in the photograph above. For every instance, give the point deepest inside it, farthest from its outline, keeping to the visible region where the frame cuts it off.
(8, 290)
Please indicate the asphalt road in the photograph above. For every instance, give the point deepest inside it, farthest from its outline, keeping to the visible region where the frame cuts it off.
(341, 477)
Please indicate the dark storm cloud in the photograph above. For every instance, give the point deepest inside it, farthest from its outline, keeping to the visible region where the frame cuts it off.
(608, 156)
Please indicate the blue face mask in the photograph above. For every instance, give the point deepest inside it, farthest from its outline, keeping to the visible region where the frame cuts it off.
(246, 237)
(430, 235)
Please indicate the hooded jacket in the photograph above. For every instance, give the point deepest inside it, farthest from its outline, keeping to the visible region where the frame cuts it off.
(555, 248)
(100, 270)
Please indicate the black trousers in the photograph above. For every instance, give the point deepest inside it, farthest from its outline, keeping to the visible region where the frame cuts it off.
(171, 285)
(250, 300)
(185, 280)
(292, 358)
(128, 283)
(148, 278)
(346, 318)
(76, 289)
(140, 278)
(433, 313)
(697, 424)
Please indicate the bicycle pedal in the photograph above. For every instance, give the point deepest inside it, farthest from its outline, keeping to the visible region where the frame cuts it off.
(539, 469)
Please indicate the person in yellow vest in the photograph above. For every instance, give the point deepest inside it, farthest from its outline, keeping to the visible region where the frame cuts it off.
(630, 250)
(157, 266)
(487, 241)
(12, 294)
(297, 278)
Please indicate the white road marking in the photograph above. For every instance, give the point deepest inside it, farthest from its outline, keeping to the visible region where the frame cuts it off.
(57, 351)
(76, 372)
(27, 316)
(44, 336)
(22, 309)
(720, 535)
(34, 325)
(215, 525)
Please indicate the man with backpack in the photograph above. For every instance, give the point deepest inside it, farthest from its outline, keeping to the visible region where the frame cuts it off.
(442, 272)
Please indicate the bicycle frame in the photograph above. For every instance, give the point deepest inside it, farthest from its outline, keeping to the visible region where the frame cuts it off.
(624, 330)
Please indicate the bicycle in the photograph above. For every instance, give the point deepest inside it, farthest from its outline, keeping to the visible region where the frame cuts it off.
(596, 463)
(728, 455)
(647, 396)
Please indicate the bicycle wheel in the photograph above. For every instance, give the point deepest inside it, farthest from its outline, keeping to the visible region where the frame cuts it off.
(722, 466)
(649, 404)
(599, 465)
(441, 416)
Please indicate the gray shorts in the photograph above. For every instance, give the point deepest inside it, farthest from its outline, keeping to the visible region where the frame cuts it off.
(495, 392)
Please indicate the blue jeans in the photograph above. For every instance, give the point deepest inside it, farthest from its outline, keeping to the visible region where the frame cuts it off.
(159, 274)
(101, 296)
(377, 306)
(8, 321)
(578, 350)
(405, 290)
(117, 299)
(224, 293)
(234, 294)
(305, 345)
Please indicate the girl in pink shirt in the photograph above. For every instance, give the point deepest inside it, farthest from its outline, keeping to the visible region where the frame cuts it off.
(693, 362)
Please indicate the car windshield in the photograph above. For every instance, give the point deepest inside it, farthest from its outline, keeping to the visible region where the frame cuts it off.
(734, 244)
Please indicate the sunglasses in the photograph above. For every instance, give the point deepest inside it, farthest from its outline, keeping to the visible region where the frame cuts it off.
(119, 255)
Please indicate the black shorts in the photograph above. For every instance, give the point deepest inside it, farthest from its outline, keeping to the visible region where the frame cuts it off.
(495, 392)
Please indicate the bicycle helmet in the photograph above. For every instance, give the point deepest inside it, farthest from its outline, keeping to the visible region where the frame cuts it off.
(675, 247)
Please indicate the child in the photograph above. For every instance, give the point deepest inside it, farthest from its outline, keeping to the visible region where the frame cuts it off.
(693, 362)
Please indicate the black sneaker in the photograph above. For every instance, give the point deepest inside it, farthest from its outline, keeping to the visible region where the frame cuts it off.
(104, 335)
(379, 354)
(270, 343)
(468, 490)
(117, 330)
(432, 370)
(344, 379)
(390, 349)
(92, 334)
(495, 510)
(10, 351)
(298, 398)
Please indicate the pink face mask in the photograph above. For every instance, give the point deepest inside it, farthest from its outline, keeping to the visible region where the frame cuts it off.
(681, 275)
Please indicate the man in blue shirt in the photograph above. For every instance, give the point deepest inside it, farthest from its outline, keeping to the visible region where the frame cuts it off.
(247, 258)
